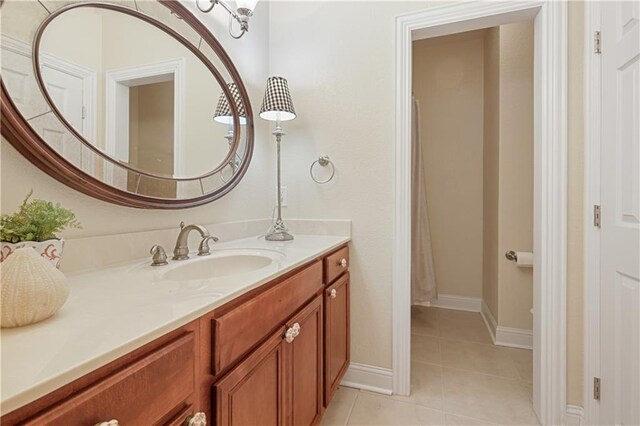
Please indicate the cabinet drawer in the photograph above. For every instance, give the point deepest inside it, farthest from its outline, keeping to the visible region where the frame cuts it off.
(240, 329)
(335, 264)
(150, 391)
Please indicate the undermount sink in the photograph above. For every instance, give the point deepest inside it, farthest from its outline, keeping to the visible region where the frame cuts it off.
(222, 264)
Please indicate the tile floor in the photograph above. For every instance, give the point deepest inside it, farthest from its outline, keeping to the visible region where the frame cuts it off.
(458, 377)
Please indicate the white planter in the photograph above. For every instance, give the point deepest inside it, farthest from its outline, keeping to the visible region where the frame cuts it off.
(31, 288)
(51, 250)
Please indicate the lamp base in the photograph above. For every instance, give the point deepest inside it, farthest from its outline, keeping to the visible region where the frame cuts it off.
(279, 236)
(278, 232)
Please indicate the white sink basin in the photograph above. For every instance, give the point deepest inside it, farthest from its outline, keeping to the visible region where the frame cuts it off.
(221, 264)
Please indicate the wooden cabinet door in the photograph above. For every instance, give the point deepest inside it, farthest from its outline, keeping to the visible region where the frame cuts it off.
(336, 332)
(253, 393)
(306, 365)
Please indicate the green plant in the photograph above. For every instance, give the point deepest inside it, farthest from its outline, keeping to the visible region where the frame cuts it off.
(37, 220)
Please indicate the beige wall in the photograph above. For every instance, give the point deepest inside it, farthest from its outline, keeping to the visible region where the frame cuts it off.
(508, 172)
(251, 199)
(447, 81)
(82, 51)
(342, 79)
(491, 160)
(515, 177)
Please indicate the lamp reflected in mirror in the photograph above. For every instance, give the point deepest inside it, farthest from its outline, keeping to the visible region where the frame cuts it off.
(224, 115)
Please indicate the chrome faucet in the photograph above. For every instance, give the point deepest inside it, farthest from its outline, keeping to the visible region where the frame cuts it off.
(181, 251)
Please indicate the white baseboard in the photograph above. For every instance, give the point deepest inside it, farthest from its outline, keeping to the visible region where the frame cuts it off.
(573, 415)
(459, 303)
(489, 321)
(369, 378)
(514, 337)
(506, 336)
(501, 336)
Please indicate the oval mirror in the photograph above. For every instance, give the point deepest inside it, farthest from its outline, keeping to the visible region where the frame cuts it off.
(129, 97)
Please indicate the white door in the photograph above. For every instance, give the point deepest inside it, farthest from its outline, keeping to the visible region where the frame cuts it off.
(67, 92)
(620, 200)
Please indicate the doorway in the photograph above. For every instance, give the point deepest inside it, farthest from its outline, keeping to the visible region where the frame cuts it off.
(472, 202)
(121, 86)
(150, 142)
(549, 248)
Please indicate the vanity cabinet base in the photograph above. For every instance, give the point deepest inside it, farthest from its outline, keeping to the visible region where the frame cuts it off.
(282, 371)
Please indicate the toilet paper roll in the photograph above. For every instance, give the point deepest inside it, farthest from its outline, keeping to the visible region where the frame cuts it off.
(525, 259)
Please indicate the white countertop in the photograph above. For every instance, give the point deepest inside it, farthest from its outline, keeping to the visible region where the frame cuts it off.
(112, 311)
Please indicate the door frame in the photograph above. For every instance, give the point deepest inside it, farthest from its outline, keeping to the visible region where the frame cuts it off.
(592, 158)
(147, 73)
(550, 184)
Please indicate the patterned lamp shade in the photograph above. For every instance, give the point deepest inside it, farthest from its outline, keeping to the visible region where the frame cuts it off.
(223, 112)
(277, 103)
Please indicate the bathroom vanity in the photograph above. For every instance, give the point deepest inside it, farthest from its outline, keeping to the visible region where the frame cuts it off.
(257, 332)
(269, 350)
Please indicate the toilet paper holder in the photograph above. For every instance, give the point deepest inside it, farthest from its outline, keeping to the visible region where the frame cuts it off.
(511, 255)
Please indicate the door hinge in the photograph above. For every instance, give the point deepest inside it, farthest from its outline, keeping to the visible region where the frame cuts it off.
(597, 216)
(84, 112)
(597, 42)
(596, 388)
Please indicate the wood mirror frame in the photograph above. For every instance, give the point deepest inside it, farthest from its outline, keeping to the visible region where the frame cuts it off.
(19, 133)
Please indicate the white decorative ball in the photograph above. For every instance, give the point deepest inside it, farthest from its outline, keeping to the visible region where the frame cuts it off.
(32, 289)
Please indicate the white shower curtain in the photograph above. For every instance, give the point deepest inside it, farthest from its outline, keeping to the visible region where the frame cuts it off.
(423, 277)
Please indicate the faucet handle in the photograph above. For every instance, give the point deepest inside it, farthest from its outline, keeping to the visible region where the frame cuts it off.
(203, 248)
(159, 255)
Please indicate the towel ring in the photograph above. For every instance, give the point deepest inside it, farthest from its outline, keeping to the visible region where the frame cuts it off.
(323, 161)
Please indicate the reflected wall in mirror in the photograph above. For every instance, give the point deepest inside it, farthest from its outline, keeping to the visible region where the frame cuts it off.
(129, 96)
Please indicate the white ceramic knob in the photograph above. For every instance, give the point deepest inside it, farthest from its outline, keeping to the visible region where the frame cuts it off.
(198, 419)
(112, 422)
(343, 263)
(292, 332)
(296, 329)
(333, 293)
(289, 335)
